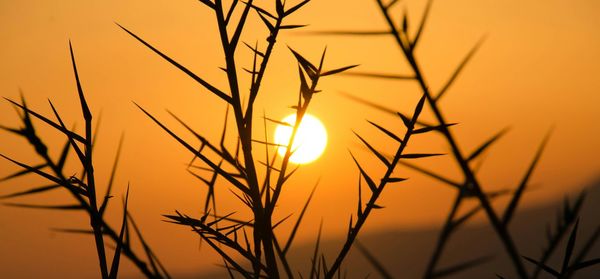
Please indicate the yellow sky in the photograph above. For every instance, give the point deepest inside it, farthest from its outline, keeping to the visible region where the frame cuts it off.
(538, 67)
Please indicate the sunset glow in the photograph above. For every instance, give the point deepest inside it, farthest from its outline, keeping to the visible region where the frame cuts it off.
(162, 130)
(310, 140)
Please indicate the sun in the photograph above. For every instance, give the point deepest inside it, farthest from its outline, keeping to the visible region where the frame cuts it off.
(310, 140)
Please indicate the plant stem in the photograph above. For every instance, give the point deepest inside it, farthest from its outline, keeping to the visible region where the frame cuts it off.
(262, 233)
(501, 230)
(106, 229)
(443, 238)
(353, 233)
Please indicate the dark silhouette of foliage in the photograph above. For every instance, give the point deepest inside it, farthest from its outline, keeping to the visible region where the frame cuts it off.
(252, 248)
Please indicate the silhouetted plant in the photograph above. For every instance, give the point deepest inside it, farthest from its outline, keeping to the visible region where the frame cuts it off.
(228, 236)
(568, 216)
(251, 248)
(82, 188)
(470, 187)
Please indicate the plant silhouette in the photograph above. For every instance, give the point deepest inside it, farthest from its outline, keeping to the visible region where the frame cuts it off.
(252, 248)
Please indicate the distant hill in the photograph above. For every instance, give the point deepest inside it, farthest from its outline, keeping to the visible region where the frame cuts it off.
(404, 253)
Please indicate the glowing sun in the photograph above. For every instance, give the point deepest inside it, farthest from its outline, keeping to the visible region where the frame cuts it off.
(310, 140)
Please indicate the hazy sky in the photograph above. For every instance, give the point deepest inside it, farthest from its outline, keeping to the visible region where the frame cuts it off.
(539, 67)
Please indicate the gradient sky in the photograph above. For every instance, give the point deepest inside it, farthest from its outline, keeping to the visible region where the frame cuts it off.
(539, 67)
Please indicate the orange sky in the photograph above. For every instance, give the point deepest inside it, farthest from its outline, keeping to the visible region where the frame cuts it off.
(538, 67)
